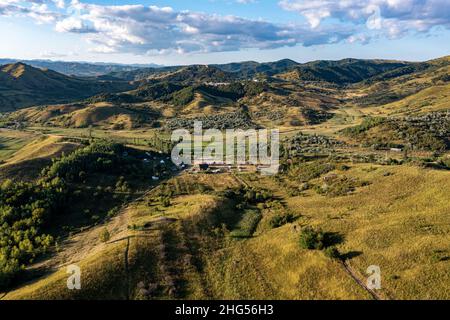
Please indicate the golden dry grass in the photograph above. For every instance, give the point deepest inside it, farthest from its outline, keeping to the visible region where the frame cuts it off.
(400, 222)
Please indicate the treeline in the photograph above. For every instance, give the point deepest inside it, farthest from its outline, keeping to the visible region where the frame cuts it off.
(180, 95)
(236, 120)
(425, 132)
(96, 157)
(365, 125)
(101, 156)
(25, 209)
(161, 144)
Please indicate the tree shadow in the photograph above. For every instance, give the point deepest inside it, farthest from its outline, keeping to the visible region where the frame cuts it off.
(332, 239)
(350, 255)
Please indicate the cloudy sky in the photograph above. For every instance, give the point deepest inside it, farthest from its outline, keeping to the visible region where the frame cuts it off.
(217, 31)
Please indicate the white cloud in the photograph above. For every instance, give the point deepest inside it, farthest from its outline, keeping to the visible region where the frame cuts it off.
(143, 29)
(38, 10)
(392, 17)
(74, 25)
(154, 30)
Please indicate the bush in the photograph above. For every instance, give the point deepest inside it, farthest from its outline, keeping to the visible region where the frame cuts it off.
(281, 219)
(312, 239)
(332, 252)
(247, 225)
(308, 171)
(445, 162)
(105, 235)
(165, 202)
(340, 186)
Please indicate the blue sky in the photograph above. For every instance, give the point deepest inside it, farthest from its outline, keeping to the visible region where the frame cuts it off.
(219, 31)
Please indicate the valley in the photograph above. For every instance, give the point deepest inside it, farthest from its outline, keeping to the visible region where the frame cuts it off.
(86, 179)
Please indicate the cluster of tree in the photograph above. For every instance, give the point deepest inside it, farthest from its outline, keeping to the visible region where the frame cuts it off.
(235, 120)
(113, 98)
(248, 195)
(316, 239)
(365, 125)
(301, 143)
(100, 156)
(339, 186)
(345, 71)
(395, 73)
(25, 210)
(425, 132)
(307, 171)
(314, 116)
(157, 142)
(159, 90)
(441, 79)
(233, 91)
(180, 95)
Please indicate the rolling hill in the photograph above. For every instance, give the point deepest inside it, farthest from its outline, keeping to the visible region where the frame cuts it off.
(249, 69)
(343, 71)
(308, 93)
(22, 86)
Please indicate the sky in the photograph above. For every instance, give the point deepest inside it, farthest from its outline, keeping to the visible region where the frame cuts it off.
(174, 32)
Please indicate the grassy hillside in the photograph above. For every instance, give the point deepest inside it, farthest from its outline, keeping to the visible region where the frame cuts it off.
(171, 252)
(22, 86)
(421, 89)
(36, 153)
(11, 142)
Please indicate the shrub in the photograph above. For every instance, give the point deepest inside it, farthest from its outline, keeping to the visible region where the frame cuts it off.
(340, 187)
(165, 202)
(308, 171)
(247, 225)
(445, 162)
(104, 235)
(281, 219)
(332, 252)
(312, 239)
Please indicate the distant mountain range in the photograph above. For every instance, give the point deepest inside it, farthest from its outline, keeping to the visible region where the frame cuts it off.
(80, 69)
(23, 85)
(342, 71)
(350, 70)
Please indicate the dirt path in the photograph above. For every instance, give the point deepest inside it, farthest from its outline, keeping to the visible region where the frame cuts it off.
(127, 272)
(375, 295)
(87, 242)
(240, 180)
